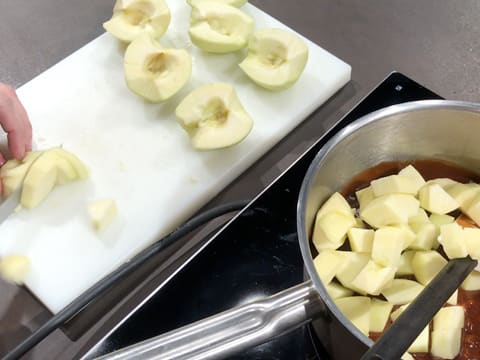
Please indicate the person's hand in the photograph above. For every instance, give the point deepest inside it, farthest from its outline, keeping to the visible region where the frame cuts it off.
(14, 121)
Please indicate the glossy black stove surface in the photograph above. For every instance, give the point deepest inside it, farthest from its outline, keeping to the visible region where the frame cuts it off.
(257, 255)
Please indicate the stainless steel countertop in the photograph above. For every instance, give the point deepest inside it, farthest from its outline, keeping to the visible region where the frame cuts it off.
(436, 42)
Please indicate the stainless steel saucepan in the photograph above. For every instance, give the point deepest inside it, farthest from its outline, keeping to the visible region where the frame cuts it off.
(431, 129)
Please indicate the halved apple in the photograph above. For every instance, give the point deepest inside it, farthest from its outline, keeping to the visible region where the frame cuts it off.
(154, 72)
(236, 3)
(219, 28)
(213, 117)
(276, 58)
(132, 18)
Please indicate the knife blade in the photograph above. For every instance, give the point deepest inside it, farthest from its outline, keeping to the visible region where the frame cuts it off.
(8, 206)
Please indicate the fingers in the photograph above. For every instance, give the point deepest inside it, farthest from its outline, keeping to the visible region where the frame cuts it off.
(14, 121)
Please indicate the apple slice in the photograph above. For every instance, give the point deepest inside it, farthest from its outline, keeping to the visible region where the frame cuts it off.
(14, 268)
(102, 212)
(154, 72)
(276, 58)
(80, 168)
(471, 237)
(132, 18)
(218, 27)
(236, 3)
(39, 181)
(327, 263)
(213, 117)
(13, 172)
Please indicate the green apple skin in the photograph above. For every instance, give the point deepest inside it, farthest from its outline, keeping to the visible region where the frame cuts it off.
(132, 18)
(213, 117)
(219, 28)
(236, 3)
(154, 72)
(276, 58)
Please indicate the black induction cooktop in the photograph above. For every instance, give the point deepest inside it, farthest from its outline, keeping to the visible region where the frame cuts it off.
(257, 255)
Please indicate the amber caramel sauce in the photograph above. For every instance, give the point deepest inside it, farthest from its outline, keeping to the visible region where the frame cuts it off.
(470, 300)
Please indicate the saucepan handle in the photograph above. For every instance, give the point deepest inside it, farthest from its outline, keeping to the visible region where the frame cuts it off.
(240, 328)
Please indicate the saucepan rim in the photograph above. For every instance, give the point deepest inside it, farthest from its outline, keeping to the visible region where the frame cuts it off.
(315, 166)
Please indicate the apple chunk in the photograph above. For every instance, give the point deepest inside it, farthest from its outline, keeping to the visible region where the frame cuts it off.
(102, 212)
(213, 117)
(276, 58)
(389, 209)
(218, 27)
(132, 18)
(154, 72)
(14, 268)
(357, 310)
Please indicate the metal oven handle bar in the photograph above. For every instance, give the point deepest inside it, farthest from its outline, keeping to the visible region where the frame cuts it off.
(231, 331)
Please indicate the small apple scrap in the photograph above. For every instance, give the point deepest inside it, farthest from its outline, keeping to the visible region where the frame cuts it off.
(14, 268)
(213, 117)
(276, 58)
(236, 3)
(218, 27)
(132, 18)
(102, 212)
(405, 231)
(39, 172)
(154, 72)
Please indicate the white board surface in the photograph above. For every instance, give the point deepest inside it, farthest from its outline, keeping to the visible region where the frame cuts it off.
(139, 155)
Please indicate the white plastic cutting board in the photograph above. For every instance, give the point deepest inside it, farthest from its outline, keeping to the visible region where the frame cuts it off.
(139, 155)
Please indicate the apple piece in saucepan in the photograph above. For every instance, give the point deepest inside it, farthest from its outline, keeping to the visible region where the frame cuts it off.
(132, 18)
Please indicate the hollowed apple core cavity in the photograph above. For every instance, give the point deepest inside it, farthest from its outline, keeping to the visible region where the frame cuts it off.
(215, 113)
(138, 13)
(273, 55)
(158, 63)
(219, 25)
